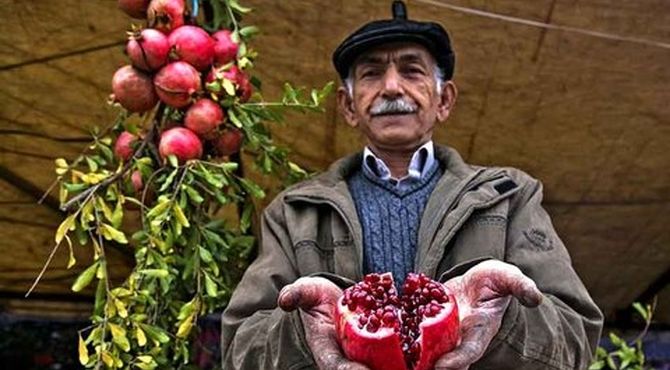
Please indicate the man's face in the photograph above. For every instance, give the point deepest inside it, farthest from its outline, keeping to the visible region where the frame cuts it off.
(395, 100)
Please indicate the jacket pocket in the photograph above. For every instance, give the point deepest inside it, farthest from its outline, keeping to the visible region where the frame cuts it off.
(313, 257)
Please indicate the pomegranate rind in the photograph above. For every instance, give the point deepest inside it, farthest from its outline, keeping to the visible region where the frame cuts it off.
(439, 335)
(378, 351)
(133, 89)
(176, 83)
(180, 142)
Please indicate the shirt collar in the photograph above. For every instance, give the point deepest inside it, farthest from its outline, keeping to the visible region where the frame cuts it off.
(422, 160)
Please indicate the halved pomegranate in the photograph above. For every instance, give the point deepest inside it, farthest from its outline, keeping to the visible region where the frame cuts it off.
(383, 330)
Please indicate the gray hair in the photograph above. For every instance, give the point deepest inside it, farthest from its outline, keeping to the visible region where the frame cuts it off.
(438, 75)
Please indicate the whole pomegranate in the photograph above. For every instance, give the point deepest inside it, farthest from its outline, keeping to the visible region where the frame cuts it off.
(176, 83)
(137, 182)
(243, 87)
(229, 141)
(166, 15)
(192, 44)
(148, 49)
(181, 142)
(383, 330)
(133, 89)
(225, 49)
(134, 8)
(203, 117)
(123, 148)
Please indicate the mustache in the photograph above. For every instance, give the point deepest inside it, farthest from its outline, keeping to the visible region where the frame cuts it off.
(393, 106)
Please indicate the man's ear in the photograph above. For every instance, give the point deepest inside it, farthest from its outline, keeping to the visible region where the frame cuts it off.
(447, 100)
(346, 104)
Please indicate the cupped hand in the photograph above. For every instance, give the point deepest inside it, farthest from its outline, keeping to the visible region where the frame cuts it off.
(483, 294)
(316, 298)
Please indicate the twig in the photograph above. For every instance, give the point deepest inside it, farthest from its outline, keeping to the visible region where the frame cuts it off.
(51, 256)
(118, 174)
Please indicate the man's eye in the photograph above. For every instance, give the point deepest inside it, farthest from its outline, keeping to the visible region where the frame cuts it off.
(369, 73)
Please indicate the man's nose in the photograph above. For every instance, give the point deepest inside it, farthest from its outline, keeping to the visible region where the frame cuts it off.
(392, 84)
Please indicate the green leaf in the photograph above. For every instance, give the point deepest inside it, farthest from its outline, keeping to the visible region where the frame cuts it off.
(237, 7)
(249, 31)
(214, 86)
(159, 273)
(193, 194)
(74, 188)
(233, 118)
(168, 181)
(92, 165)
(155, 333)
(644, 313)
(210, 286)
(83, 351)
(205, 254)
(597, 365)
(67, 224)
(85, 277)
(100, 295)
(172, 159)
(245, 220)
(159, 209)
(252, 188)
(117, 215)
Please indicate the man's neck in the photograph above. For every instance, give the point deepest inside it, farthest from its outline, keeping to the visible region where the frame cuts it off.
(397, 161)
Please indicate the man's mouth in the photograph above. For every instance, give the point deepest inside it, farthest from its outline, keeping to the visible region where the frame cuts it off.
(392, 114)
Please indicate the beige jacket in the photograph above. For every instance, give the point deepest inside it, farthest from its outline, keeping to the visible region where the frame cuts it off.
(474, 213)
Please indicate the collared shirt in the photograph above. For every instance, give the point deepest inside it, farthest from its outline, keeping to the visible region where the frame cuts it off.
(421, 162)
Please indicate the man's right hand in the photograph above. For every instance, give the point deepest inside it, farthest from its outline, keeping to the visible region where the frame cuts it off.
(316, 298)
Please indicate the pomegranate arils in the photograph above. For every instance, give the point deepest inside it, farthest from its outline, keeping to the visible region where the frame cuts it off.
(384, 330)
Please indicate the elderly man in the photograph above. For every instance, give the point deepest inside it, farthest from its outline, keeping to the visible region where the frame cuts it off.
(405, 204)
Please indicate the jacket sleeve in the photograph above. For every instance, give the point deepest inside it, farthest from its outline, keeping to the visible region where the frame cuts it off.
(563, 332)
(256, 334)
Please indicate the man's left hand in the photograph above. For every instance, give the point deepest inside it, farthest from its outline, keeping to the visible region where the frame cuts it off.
(483, 294)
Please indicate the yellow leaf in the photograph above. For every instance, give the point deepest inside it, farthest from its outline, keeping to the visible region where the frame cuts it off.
(67, 224)
(179, 214)
(83, 351)
(107, 359)
(185, 326)
(141, 340)
(61, 163)
(121, 308)
(105, 208)
(228, 86)
(111, 233)
(145, 359)
(71, 260)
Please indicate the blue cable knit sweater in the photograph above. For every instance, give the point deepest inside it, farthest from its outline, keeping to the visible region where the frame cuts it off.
(390, 218)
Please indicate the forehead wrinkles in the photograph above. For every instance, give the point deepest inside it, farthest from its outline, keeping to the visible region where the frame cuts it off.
(395, 56)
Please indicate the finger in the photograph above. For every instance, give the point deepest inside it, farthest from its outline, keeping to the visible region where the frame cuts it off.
(306, 293)
(329, 357)
(508, 280)
(478, 330)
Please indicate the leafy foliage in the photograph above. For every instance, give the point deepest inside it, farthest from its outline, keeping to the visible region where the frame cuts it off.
(625, 355)
(187, 258)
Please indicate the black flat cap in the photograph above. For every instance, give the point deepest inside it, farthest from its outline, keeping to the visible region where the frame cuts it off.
(399, 29)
